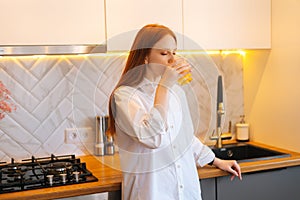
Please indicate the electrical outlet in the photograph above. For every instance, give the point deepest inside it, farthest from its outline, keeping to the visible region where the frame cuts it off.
(78, 135)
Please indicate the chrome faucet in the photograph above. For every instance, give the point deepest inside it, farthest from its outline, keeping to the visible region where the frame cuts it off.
(219, 136)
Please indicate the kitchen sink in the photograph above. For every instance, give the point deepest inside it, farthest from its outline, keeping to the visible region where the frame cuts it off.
(243, 152)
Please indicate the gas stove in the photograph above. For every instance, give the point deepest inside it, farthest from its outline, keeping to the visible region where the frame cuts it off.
(36, 173)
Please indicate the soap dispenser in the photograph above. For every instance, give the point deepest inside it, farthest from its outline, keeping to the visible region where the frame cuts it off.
(242, 130)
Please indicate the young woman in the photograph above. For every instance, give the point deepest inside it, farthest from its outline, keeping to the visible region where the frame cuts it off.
(150, 119)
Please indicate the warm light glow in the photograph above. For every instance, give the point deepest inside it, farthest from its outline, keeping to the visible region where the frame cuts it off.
(215, 52)
(241, 52)
(38, 56)
(208, 52)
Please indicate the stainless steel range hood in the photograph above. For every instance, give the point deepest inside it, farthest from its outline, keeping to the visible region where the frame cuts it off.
(52, 27)
(17, 50)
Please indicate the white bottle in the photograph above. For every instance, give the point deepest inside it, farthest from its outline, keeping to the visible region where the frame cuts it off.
(242, 130)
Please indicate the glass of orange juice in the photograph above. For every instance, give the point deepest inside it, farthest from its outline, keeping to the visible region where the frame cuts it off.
(187, 78)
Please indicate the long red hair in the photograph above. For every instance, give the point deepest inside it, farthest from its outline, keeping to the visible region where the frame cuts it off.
(144, 41)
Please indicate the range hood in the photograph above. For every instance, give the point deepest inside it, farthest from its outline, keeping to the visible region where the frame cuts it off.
(52, 27)
(17, 50)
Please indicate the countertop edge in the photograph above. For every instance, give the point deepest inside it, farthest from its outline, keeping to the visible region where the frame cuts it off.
(110, 179)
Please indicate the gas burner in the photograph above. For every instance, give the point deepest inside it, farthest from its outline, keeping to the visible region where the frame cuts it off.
(35, 173)
(59, 168)
(14, 174)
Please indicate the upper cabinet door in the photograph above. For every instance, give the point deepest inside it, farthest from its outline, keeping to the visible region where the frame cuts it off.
(125, 18)
(52, 22)
(230, 24)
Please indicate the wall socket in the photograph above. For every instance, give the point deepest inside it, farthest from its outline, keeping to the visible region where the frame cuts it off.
(78, 135)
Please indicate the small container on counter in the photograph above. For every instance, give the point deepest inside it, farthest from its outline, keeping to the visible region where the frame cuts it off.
(242, 130)
(104, 144)
(109, 145)
(102, 123)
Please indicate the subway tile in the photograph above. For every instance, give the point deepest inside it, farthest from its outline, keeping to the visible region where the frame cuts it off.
(89, 70)
(15, 130)
(13, 149)
(24, 119)
(43, 65)
(53, 78)
(57, 138)
(46, 128)
(27, 61)
(53, 99)
(18, 72)
(58, 92)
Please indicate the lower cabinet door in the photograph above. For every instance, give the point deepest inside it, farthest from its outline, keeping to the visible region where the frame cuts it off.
(274, 184)
(116, 195)
(208, 189)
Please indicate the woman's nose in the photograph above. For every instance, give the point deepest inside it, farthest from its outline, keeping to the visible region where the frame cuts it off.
(171, 59)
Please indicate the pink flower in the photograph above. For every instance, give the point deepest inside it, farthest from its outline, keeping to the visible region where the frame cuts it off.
(6, 106)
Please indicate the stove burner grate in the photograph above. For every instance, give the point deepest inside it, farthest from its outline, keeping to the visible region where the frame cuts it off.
(37, 173)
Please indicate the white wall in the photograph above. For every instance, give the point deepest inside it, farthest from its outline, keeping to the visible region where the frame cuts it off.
(272, 94)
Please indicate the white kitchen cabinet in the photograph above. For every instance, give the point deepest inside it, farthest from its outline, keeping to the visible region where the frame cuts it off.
(125, 18)
(52, 22)
(213, 24)
(230, 24)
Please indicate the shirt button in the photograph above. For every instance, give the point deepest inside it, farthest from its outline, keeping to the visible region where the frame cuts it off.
(174, 147)
(178, 166)
(181, 186)
(171, 126)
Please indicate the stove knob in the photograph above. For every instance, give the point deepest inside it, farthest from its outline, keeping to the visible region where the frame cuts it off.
(63, 178)
(50, 179)
(76, 175)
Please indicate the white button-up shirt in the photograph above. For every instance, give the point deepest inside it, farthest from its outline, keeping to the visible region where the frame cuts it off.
(159, 161)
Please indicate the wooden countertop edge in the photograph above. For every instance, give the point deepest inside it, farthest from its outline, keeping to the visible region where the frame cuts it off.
(110, 179)
(212, 172)
(54, 193)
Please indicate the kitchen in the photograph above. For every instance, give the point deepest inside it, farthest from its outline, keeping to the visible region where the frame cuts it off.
(43, 84)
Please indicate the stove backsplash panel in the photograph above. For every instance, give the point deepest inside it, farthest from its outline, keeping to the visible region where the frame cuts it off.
(53, 93)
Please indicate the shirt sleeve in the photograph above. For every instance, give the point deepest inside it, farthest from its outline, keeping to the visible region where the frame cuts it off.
(133, 118)
(202, 153)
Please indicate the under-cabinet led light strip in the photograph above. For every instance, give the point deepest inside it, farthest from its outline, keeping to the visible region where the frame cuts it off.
(209, 52)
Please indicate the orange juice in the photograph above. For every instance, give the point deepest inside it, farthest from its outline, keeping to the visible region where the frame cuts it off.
(187, 78)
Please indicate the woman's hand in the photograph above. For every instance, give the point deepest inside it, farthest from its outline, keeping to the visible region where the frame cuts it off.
(169, 77)
(230, 166)
(179, 68)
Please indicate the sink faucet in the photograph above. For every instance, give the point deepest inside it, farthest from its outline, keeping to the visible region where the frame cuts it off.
(219, 136)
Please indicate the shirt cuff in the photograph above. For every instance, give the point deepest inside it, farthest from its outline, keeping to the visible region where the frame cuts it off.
(207, 156)
(212, 162)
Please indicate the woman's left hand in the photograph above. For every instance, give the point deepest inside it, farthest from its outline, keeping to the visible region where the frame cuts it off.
(230, 166)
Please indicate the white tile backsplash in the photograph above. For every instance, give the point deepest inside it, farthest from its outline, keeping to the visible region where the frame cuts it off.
(53, 93)
(15, 70)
